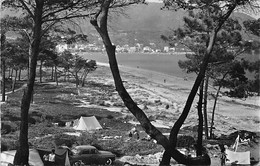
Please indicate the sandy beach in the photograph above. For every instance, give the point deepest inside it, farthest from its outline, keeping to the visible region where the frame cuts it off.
(236, 114)
(153, 91)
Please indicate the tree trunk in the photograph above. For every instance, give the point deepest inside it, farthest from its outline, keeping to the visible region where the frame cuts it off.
(65, 77)
(52, 71)
(56, 76)
(131, 105)
(3, 39)
(11, 74)
(40, 72)
(169, 145)
(205, 106)
(177, 125)
(14, 81)
(22, 154)
(84, 77)
(77, 80)
(19, 74)
(200, 126)
(3, 78)
(214, 106)
(29, 59)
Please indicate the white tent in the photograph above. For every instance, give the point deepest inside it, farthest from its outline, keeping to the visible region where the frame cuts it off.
(34, 158)
(87, 123)
(237, 158)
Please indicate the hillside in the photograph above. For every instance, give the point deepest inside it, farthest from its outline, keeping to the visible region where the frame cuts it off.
(146, 23)
(142, 23)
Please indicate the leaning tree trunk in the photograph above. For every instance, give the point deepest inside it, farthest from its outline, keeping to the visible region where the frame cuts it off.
(205, 105)
(22, 154)
(200, 127)
(183, 116)
(169, 145)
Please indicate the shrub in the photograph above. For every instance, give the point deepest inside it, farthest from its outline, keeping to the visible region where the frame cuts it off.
(8, 144)
(61, 124)
(8, 126)
(64, 139)
(31, 120)
(185, 141)
(110, 117)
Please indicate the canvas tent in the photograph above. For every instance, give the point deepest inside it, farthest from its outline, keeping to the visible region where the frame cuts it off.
(34, 158)
(238, 158)
(87, 123)
(61, 155)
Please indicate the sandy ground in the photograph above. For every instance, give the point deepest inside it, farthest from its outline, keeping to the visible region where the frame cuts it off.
(154, 92)
(235, 114)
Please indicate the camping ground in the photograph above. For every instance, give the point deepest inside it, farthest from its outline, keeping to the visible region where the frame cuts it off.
(53, 106)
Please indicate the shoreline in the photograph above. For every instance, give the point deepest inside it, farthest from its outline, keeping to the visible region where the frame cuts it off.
(172, 81)
(233, 112)
(154, 76)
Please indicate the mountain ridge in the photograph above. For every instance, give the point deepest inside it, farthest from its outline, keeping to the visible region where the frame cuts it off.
(144, 21)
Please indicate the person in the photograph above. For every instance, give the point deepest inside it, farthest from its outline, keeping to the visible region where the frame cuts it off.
(187, 152)
(130, 134)
(52, 157)
(71, 123)
(223, 156)
(46, 158)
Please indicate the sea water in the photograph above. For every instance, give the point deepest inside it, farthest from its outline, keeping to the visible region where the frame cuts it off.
(159, 62)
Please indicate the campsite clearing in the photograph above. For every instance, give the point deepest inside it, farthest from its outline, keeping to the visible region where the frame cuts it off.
(60, 104)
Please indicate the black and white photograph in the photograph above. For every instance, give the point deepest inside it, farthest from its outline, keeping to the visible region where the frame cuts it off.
(130, 82)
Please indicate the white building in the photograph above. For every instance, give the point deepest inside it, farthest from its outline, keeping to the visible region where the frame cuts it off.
(147, 49)
(166, 49)
(132, 49)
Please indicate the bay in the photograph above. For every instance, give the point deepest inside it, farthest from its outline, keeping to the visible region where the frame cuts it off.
(158, 62)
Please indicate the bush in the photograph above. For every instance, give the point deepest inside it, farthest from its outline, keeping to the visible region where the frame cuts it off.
(63, 139)
(31, 120)
(49, 117)
(61, 124)
(8, 144)
(185, 141)
(8, 126)
(110, 117)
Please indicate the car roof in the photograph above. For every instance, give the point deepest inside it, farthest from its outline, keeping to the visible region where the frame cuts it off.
(85, 147)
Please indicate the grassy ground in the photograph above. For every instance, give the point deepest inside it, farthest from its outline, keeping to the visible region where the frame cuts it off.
(59, 104)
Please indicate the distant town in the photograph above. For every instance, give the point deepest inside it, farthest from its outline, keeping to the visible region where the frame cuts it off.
(137, 48)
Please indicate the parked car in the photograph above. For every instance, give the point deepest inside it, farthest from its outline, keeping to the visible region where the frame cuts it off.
(90, 155)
